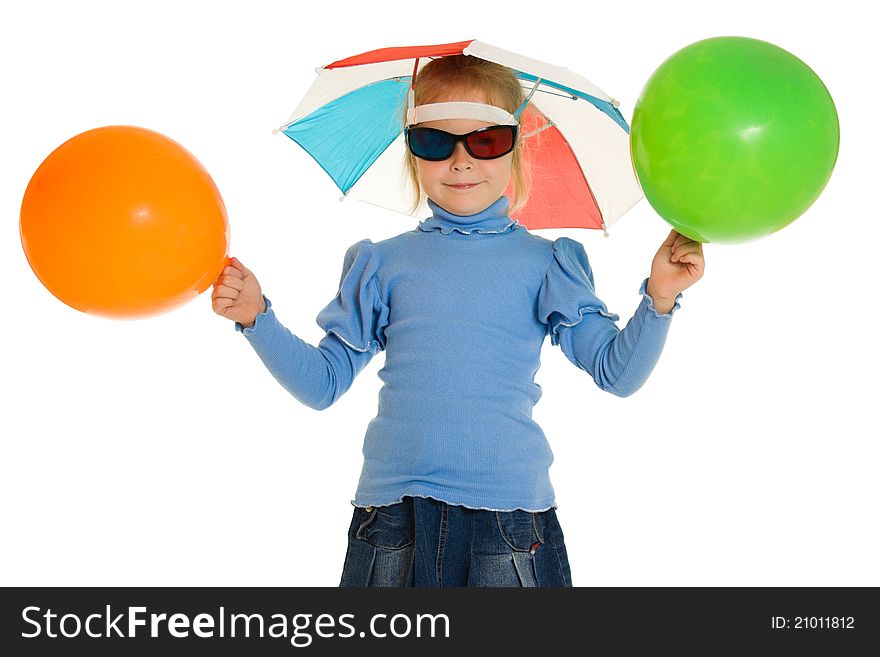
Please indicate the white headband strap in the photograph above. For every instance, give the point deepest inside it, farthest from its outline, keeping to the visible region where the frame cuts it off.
(458, 110)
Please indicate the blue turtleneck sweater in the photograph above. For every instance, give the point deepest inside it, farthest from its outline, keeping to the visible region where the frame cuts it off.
(461, 307)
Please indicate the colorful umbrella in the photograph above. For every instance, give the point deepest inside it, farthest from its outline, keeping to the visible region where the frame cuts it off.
(577, 141)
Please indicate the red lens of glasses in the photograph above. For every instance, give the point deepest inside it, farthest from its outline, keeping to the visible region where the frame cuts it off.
(491, 143)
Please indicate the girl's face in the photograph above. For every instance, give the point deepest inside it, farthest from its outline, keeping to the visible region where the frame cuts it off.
(462, 184)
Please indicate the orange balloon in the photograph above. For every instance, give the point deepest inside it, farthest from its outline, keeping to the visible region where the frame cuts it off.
(124, 222)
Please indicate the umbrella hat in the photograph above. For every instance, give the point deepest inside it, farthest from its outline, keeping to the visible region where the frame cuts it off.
(576, 140)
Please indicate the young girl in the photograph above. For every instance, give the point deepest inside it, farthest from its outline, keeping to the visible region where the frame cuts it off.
(454, 489)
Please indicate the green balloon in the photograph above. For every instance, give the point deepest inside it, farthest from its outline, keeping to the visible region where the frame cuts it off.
(733, 138)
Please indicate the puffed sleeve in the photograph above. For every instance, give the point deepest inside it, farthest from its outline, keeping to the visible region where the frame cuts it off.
(354, 321)
(567, 293)
(357, 315)
(619, 360)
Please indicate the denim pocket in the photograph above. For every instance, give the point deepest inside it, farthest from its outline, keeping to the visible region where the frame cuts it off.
(381, 546)
(389, 527)
(521, 530)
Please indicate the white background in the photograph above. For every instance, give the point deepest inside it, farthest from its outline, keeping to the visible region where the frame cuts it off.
(162, 452)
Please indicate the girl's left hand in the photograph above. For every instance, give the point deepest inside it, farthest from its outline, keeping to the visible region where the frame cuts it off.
(678, 265)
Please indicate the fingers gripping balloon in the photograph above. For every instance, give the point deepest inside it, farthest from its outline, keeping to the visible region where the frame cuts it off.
(733, 138)
(123, 222)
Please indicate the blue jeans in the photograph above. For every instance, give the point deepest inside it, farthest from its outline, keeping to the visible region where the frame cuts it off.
(425, 542)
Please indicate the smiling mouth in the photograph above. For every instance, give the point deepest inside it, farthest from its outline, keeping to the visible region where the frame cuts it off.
(462, 185)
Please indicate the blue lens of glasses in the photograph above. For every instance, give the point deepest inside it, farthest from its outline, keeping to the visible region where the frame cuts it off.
(431, 144)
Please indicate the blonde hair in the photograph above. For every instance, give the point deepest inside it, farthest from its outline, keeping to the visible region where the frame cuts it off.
(463, 73)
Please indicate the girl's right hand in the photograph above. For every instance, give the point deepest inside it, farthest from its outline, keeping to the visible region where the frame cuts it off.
(237, 294)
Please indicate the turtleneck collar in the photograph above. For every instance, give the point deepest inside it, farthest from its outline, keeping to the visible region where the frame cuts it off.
(493, 220)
